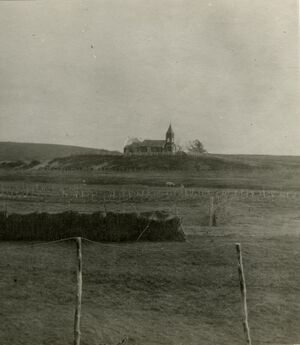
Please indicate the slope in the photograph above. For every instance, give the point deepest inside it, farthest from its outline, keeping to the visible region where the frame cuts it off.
(12, 151)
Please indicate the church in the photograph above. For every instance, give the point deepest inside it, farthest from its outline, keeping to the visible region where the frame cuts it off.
(152, 147)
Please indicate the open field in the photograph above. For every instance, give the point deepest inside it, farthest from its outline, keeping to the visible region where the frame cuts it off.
(281, 178)
(162, 293)
(155, 293)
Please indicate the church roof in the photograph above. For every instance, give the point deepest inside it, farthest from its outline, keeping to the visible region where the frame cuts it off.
(149, 143)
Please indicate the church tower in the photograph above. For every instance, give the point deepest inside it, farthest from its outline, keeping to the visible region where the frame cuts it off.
(170, 144)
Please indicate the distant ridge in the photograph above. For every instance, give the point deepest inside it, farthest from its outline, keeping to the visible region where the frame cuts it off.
(13, 151)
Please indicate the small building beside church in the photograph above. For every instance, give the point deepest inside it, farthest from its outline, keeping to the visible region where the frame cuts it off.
(153, 147)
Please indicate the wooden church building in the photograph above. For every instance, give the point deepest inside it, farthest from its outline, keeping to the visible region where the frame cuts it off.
(152, 147)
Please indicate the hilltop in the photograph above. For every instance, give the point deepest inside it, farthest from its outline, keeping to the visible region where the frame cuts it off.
(206, 162)
(145, 163)
(61, 157)
(12, 151)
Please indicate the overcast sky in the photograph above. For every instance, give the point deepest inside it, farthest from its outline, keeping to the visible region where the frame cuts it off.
(94, 72)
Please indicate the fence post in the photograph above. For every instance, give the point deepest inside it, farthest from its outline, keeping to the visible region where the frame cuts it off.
(243, 293)
(78, 294)
(211, 211)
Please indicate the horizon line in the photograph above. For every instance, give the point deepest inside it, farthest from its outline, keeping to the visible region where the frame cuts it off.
(120, 151)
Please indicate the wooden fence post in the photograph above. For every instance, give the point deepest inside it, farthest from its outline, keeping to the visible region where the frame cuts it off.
(243, 293)
(211, 211)
(78, 294)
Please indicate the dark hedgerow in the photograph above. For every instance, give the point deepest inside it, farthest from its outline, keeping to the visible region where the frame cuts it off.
(111, 227)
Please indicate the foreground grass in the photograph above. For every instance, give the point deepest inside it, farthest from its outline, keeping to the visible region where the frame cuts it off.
(159, 293)
(155, 293)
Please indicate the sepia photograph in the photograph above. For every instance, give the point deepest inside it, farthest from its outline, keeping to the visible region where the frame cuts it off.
(149, 172)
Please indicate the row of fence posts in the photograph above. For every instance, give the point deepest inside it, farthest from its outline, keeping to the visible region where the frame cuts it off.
(180, 192)
(212, 211)
(242, 281)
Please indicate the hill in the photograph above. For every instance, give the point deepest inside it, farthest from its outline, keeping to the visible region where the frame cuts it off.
(207, 162)
(11, 151)
(264, 161)
(146, 163)
(64, 157)
(28, 156)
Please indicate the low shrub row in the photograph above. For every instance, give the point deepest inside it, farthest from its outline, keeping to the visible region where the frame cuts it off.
(111, 227)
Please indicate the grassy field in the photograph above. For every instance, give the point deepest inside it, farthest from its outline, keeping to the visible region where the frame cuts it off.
(161, 293)
(156, 293)
(278, 179)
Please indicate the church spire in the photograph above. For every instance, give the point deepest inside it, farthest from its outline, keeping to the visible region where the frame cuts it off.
(170, 130)
(170, 146)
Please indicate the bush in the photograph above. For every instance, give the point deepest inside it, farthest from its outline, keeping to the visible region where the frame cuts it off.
(111, 227)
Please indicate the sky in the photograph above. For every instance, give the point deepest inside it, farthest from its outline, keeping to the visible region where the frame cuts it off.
(95, 72)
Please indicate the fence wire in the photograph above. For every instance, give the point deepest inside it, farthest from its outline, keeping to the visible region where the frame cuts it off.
(176, 290)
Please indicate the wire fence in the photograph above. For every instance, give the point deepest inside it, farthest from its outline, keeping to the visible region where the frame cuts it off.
(134, 281)
(95, 194)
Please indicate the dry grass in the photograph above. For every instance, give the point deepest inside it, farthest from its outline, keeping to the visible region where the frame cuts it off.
(279, 174)
(161, 293)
